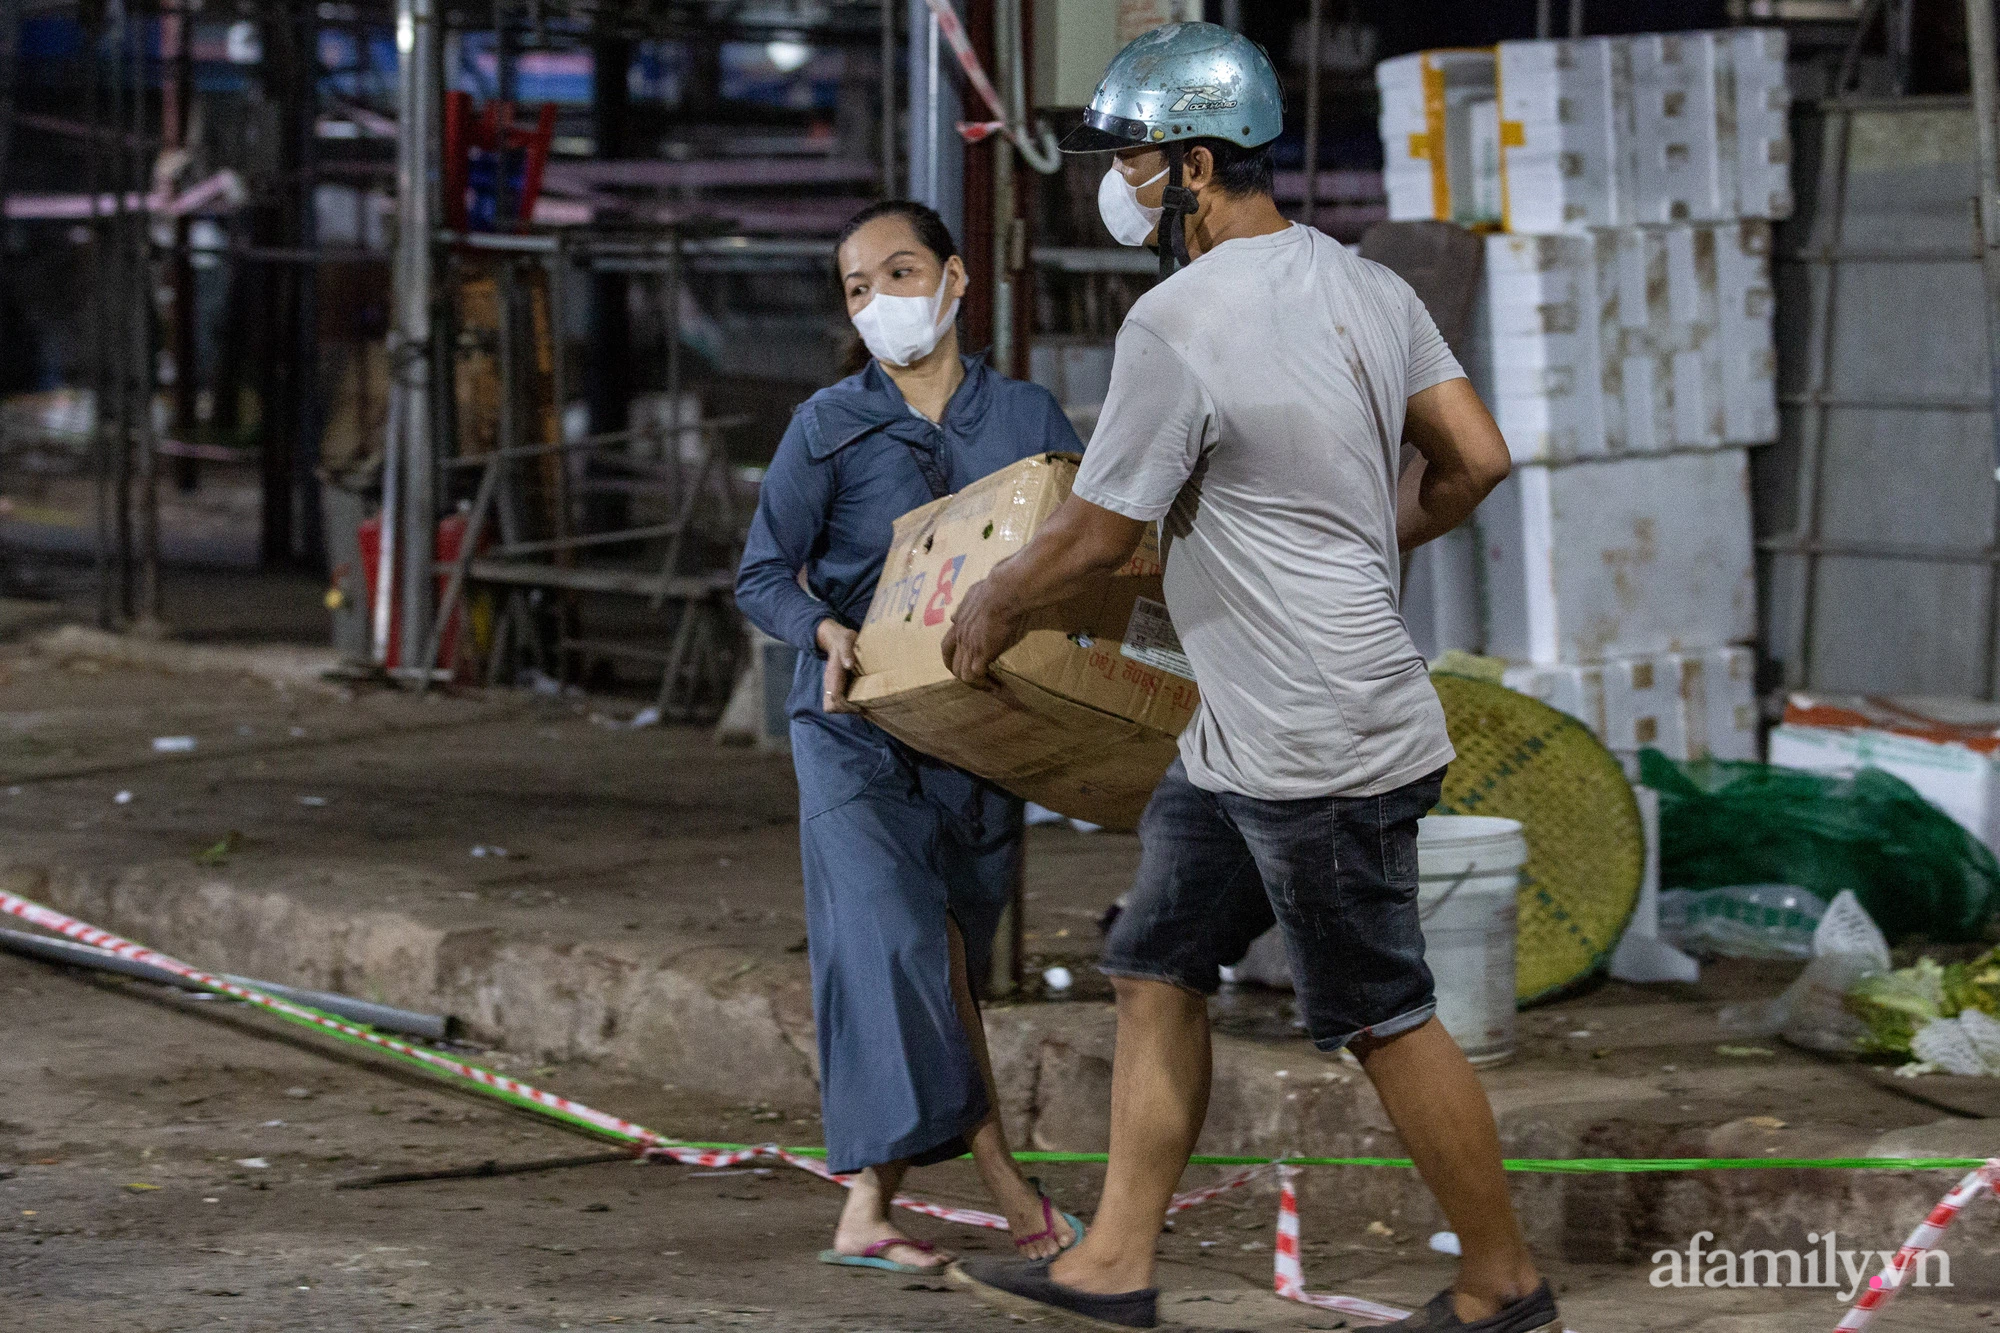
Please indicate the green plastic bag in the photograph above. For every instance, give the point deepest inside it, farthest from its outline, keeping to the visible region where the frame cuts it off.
(1916, 871)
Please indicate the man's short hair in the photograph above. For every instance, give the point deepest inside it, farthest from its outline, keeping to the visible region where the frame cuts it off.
(1241, 172)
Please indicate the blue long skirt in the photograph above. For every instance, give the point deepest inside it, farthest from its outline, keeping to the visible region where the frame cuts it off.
(891, 842)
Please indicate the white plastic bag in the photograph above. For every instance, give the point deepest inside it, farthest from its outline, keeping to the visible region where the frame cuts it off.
(1743, 921)
(1967, 1044)
(1812, 1012)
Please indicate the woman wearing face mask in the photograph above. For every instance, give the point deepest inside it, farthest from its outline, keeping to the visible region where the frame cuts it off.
(908, 862)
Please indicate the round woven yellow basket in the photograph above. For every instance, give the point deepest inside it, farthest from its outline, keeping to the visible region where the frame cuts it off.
(1520, 759)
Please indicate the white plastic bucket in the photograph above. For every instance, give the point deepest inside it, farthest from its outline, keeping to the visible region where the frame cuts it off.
(1468, 880)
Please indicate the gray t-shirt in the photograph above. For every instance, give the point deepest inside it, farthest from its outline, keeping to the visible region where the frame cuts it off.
(1256, 406)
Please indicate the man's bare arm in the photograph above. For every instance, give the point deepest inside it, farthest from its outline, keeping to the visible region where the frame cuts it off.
(1079, 541)
(1461, 458)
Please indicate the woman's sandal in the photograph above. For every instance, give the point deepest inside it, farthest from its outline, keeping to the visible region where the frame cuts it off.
(872, 1257)
(1049, 1215)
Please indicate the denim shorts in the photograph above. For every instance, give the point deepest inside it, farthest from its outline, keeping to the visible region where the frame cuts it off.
(1338, 875)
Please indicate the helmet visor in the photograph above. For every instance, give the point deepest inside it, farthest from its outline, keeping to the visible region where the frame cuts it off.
(1102, 132)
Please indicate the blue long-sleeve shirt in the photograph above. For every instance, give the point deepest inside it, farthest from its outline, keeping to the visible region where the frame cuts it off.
(844, 474)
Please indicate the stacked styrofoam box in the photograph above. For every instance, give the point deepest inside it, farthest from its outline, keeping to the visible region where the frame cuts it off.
(1676, 135)
(1440, 595)
(1405, 128)
(1596, 131)
(1628, 340)
(1755, 116)
(1710, 137)
(1661, 128)
(1566, 108)
(1588, 562)
(1686, 705)
(1624, 343)
(1440, 136)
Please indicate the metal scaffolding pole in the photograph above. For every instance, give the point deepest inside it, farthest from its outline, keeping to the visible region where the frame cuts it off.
(888, 99)
(10, 64)
(100, 309)
(936, 174)
(1006, 51)
(127, 284)
(1980, 39)
(144, 590)
(417, 96)
(1315, 30)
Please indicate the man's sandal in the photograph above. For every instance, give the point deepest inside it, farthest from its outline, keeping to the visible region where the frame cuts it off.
(872, 1257)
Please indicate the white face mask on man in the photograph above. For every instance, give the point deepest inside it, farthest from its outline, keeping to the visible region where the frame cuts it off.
(900, 330)
(1129, 221)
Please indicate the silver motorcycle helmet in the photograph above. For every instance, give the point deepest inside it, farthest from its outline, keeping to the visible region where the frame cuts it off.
(1180, 82)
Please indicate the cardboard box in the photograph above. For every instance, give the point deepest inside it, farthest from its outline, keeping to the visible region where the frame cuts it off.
(1088, 705)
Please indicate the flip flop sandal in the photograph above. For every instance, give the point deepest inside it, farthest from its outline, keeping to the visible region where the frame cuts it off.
(1049, 1215)
(872, 1257)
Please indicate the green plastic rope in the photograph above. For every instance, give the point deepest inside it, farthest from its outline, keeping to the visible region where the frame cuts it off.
(1545, 1165)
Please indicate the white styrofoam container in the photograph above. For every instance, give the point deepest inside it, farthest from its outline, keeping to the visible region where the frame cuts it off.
(1428, 101)
(1745, 341)
(1655, 129)
(1627, 340)
(1077, 371)
(1534, 354)
(1753, 114)
(1731, 694)
(1483, 148)
(1685, 705)
(1618, 558)
(1566, 123)
(1676, 142)
(1961, 782)
(1440, 595)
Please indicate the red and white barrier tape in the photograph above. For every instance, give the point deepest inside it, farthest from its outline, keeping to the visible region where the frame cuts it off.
(1289, 1279)
(1248, 1175)
(970, 1217)
(1883, 1289)
(50, 919)
(1289, 1275)
(649, 1142)
(1043, 158)
(954, 33)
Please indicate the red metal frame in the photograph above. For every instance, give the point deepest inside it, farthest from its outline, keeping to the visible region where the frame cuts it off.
(493, 129)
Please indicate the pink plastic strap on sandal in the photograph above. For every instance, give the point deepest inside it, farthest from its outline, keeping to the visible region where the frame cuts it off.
(1048, 1231)
(880, 1247)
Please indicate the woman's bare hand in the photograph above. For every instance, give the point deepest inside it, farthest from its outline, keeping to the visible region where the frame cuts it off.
(837, 642)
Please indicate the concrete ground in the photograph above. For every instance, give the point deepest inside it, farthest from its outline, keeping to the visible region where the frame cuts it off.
(615, 913)
(170, 1167)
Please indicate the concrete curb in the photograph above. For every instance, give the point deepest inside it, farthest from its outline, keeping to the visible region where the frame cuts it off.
(727, 1023)
(275, 664)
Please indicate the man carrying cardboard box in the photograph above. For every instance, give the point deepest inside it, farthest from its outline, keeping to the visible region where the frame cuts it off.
(1259, 398)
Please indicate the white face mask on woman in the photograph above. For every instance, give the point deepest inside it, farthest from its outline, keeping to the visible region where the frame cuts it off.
(899, 330)
(1129, 221)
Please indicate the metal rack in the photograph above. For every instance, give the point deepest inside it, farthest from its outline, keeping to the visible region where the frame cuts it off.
(683, 568)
